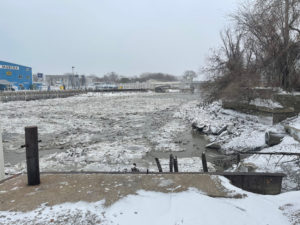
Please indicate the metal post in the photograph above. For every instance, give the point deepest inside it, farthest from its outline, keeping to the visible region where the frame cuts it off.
(204, 163)
(1, 157)
(32, 155)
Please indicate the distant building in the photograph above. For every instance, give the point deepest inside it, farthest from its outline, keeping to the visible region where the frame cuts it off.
(15, 76)
(69, 81)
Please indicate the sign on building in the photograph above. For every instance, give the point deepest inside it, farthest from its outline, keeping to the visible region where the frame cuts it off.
(7, 67)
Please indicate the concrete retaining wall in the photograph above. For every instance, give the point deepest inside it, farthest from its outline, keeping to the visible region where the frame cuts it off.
(289, 100)
(264, 183)
(278, 114)
(36, 95)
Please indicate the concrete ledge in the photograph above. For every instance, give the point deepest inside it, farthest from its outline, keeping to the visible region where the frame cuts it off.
(57, 188)
(16, 195)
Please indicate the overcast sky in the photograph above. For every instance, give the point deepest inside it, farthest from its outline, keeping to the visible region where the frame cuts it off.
(99, 36)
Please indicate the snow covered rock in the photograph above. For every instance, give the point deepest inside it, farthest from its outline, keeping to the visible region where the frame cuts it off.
(214, 145)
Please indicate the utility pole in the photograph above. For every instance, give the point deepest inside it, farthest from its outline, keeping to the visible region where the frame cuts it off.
(73, 77)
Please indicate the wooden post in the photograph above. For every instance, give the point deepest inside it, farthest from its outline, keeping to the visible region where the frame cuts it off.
(238, 158)
(32, 155)
(204, 163)
(158, 165)
(175, 164)
(171, 163)
(1, 157)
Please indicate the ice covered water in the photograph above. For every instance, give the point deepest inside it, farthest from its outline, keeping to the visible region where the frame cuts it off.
(101, 132)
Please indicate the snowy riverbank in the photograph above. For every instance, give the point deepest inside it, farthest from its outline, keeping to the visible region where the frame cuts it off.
(247, 133)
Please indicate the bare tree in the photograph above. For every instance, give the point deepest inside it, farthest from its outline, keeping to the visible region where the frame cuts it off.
(261, 48)
(189, 75)
(111, 77)
(271, 29)
(231, 68)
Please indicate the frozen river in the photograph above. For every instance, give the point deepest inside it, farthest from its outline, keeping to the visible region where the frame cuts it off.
(103, 132)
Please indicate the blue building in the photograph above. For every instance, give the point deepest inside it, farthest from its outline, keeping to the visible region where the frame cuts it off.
(15, 76)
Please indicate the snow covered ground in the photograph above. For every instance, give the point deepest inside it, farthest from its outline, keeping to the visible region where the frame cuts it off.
(185, 208)
(295, 123)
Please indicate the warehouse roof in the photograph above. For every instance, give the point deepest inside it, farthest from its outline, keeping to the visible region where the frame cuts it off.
(13, 64)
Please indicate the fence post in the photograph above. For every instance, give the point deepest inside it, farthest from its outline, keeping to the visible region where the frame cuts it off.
(204, 163)
(32, 155)
(1, 157)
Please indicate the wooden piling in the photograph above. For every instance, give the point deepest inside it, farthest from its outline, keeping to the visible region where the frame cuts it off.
(171, 163)
(238, 158)
(158, 165)
(175, 164)
(204, 163)
(32, 155)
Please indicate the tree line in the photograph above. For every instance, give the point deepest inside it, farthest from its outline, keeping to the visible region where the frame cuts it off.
(144, 77)
(260, 48)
